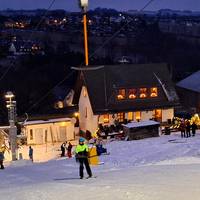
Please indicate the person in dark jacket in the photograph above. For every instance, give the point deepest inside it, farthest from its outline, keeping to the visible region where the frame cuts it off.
(69, 150)
(182, 128)
(30, 153)
(62, 148)
(2, 151)
(82, 156)
(188, 129)
(194, 127)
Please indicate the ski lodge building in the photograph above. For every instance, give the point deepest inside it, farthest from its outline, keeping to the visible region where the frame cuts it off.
(132, 92)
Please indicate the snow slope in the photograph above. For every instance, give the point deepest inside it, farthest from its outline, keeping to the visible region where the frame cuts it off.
(161, 168)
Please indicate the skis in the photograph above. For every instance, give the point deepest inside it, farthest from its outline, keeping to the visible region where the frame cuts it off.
(89, 177)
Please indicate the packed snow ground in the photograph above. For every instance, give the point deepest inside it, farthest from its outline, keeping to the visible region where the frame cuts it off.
(167, 167)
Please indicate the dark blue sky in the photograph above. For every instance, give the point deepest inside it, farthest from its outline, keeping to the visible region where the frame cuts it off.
(116, 4)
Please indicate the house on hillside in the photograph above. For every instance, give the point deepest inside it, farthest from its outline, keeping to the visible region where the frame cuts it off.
(125, 93)
(189, 92)
(49, 131)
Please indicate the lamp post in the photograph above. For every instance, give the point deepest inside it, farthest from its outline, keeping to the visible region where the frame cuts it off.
(11, 105)
(84, 5)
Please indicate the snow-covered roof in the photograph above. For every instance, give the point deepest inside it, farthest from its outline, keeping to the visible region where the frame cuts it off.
(141, 123)
(47, 121)
(192, 82)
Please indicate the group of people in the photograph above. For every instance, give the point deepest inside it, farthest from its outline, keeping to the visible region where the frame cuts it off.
(186, 128)
(82, 153)
(65, 147)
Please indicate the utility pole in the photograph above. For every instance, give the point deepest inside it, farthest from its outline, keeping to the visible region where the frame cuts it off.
(84, 5)
(11, 105)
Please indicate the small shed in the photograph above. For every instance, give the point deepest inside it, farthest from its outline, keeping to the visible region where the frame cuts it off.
(49, 131)
(142, 129)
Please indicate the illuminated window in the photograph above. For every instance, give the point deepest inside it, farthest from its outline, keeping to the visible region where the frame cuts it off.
(121, 94)
(157, 115)
(60, 104)
(138, 115)
(132, 93)
(31, 134)
(154, 92)
(120, 117)
(143, 92)
(84, 92)
(130, 116)
(106, 118)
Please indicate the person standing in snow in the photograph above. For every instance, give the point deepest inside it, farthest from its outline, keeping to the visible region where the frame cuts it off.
(30, 153)
(2, 151)
(182, 128)
(69, 150)
(194, 127)
(188, 129)
(62, 147)
(82, 156)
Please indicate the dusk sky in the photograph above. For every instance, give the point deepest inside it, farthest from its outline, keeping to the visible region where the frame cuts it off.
(71, 5)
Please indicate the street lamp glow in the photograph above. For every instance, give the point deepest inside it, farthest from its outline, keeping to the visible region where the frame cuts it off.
(9, 95)
(84, 3)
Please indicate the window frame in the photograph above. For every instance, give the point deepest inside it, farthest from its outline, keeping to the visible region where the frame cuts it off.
(146, 92)
(150, 92)
(31, 134)
(119, 93)
(106, 118)
(134, 93)
(121, 116)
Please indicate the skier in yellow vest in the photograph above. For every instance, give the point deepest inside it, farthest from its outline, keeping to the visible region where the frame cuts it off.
(82, 156)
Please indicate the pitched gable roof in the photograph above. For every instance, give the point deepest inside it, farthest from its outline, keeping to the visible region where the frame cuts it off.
(103, 83)
(192, 82)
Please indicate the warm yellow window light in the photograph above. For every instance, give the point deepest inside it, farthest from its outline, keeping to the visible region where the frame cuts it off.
(60, 104)
(143, 92)
(154, 92)
(106, 118)
(138, 115)
(84, 92)
(132, 93)
(121, 94)
(76, 114)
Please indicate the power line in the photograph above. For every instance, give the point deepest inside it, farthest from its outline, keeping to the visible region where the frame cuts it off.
(44, 96)
(36, 27)
(5, 73)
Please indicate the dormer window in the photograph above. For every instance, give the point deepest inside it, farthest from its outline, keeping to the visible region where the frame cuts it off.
(132, 93)
(121, 94)
(143, 92)
(154, 92)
